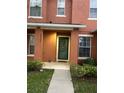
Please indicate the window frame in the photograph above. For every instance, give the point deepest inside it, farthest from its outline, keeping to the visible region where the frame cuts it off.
(40, 13)
(28, 48)
(90, 17)
(58, 15)
(89, 36)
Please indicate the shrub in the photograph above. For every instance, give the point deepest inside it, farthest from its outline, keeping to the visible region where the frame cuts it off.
(83, 71)
(89, 71)
(34, 65)
(90, 61)
(76, 70)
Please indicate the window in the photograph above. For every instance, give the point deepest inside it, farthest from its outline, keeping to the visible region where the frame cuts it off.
(35, 8)
(84, 46)
(61, 7)
(31, 43)
(93, 8)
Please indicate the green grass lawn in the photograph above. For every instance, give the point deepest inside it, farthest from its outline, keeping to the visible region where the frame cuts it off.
(38, 82)
(84, 86)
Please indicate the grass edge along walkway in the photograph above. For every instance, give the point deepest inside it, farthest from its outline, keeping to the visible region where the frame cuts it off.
(84, 86)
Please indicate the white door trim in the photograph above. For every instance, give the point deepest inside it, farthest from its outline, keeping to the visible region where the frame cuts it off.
(58, 46)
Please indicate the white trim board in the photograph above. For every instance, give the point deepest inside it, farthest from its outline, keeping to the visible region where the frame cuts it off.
(92, 19)
(85, 35)
(56, 25)
(60, 15)
(30, 55)
(83, 58)
(37, 17)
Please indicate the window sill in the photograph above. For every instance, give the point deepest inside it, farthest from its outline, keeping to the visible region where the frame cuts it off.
(92, 18)
(30, 55)
(60, 16)
(83, 58)
(34, 17)
(85, 35)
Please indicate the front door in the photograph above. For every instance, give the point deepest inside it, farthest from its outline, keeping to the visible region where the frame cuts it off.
(63, 48)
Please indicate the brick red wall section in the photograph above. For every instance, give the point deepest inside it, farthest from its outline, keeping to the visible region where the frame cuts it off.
(94, 46)
(74, 47)
(38, 44)
(49, 12)
(52, 12)
(80, 15)
(77, 12)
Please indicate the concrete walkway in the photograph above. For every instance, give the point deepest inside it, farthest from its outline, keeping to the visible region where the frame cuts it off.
(56, 65)
(61, 82)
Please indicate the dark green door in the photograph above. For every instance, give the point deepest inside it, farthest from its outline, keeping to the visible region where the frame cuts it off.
(63, 48)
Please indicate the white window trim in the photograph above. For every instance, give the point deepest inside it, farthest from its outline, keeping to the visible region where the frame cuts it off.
(60, 15)
(36, 16)
(30, 55)
(83, 57)
(29, 47)
(57, 15)
(91, 18)
(86, 35)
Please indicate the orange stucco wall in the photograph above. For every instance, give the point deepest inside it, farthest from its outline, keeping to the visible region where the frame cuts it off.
(49, 46)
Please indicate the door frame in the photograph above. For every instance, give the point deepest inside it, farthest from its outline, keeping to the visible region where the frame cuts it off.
(58, 48)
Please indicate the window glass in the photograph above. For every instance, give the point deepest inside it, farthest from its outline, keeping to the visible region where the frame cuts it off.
(61, 3)
(35, 7)
(84, 46)
(60, 11)
(93, 8)
(31, 43)
(61, 7)
(84, 52)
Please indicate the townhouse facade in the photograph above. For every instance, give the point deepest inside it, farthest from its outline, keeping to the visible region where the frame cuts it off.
(61, 30)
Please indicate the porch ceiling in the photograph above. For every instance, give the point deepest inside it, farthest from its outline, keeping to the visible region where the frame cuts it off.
(56, 26)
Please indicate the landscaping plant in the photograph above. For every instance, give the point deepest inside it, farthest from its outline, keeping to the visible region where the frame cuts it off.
(83, 71)
(34, 65)
(84, 78)
(90, 61)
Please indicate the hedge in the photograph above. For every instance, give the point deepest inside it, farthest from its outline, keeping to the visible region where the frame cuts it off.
(34, 65)
(83, 71)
